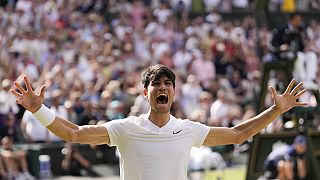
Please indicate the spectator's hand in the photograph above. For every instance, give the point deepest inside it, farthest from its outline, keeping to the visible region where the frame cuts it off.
(284, 47)
(288, 99)
(28, 98)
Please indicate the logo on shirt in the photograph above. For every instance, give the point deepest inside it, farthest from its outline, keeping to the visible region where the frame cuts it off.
(177, 132)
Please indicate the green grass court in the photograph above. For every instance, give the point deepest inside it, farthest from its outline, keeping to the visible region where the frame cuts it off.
(235, 173)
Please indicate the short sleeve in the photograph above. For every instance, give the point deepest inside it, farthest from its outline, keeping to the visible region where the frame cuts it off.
(290, 155)
(116, 130)
(199, 132)
(25, 117)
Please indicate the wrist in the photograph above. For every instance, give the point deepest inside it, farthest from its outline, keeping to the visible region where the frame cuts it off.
(44, 115)
(36, 108)
(275, 109)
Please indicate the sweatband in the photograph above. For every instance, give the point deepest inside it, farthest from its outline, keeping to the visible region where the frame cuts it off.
(44, 115)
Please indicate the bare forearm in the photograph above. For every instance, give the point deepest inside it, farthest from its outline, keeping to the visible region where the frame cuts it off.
(87, 134)
(302, 172)
(63, 128)
(288, 170)
(254, 125)
(66, 163)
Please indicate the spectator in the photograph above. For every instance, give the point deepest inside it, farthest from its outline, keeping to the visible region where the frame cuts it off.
(203, 69)
(56, 106)
(7, 102)
(3, 173)
(220, 109)
(14, 160)
(281, 161)
(74, 162)
(11, 129)
(162, 12)
(289, 44)
(181, 59)
(190, 95)
(202, 111)
(34, 132)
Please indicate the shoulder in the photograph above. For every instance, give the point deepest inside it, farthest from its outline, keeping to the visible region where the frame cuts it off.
(291, 150)
(280, 29)
(126, 121)
(189, 124)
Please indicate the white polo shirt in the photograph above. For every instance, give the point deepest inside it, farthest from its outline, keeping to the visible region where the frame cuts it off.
(148, 152)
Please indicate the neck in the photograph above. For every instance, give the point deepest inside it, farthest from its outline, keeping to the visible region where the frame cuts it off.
(159, 119)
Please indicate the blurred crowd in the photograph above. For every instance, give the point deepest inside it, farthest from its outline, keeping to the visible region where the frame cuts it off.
(90, 53)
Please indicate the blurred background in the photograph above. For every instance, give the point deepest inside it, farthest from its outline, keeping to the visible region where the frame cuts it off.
(225, 53)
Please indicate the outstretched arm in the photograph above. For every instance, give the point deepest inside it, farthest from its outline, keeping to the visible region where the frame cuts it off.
(88, 134)
(241, 132)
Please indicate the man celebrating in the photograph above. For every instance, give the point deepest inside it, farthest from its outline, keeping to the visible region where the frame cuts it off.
(155, 145)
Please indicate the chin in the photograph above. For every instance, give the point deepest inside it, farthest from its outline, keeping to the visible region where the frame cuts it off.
(161, 110)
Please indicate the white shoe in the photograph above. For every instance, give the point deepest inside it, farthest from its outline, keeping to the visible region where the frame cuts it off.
(27, 176)
(20, 176)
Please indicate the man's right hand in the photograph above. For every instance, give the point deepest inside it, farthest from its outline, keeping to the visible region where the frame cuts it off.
(27, 97)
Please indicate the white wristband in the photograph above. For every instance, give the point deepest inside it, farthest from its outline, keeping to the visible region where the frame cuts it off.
(44, 115)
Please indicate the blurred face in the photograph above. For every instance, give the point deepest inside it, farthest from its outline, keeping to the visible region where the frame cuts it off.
(296, 21)
(11, 121)
(160, 94)
(300, 148)
(6, 143)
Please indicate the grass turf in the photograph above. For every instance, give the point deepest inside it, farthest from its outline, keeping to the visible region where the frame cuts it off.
(235, 173)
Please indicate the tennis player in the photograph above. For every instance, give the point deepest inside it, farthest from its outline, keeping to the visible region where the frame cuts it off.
(155, 145)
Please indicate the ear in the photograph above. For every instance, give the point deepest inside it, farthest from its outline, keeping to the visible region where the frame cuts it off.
(145, 92)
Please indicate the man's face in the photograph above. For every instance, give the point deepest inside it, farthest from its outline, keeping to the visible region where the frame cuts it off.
(160, 94)
(301, 148)
(297, 21)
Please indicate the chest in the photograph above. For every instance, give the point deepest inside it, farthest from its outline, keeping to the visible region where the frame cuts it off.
(158, 146)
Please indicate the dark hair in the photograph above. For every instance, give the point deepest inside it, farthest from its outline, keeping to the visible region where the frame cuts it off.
(155, 73)
(293, 15)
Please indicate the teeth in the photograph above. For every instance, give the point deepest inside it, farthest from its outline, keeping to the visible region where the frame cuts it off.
(162, 95)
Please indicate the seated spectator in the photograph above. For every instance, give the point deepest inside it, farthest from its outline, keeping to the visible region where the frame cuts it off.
(14, 160)
(104, 153)
(10, 128)
(3, 173)
(281, 162)
(73, 162)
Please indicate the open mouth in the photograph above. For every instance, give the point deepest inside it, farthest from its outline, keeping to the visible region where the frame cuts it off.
(162, 99)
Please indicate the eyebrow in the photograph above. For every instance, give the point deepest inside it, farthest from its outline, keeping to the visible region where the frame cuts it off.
(168, 80)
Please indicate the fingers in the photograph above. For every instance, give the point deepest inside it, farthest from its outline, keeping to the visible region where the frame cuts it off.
(19, 101)
(289, 87)
(301, 103)
(42, 90)
(26, 80)
(295, 89)
(273, 92)
(20, 88)
(300, 93)
(15, 93)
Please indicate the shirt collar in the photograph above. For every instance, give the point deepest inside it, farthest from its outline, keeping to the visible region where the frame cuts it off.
(146, 123)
